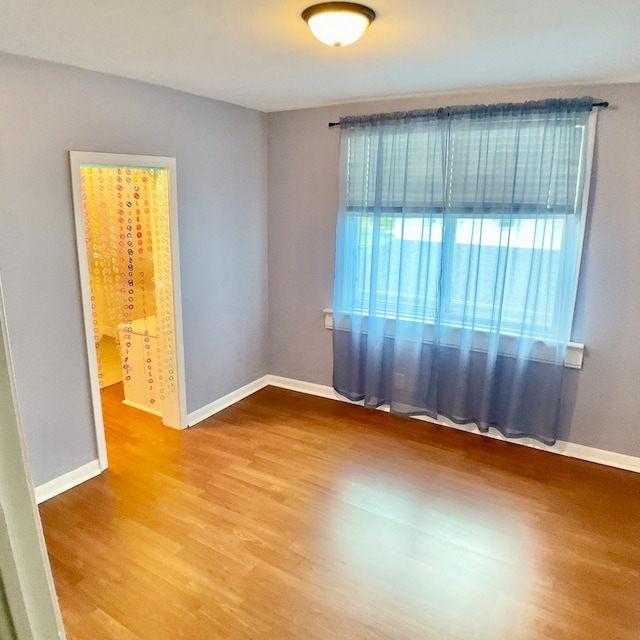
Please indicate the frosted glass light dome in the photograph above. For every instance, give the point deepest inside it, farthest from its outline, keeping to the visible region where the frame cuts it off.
(338, 23)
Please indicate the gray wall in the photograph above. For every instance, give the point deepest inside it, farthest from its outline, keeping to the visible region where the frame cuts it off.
(48, 109)
(303, 195)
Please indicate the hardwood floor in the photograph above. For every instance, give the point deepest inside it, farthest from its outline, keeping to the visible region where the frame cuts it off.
(293, 517)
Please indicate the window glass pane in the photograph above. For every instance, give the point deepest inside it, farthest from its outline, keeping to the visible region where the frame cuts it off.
(402, 275)
(514, 165)
(505, 273)
(397, 169)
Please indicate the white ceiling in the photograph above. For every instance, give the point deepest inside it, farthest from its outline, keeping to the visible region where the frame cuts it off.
(260, 54)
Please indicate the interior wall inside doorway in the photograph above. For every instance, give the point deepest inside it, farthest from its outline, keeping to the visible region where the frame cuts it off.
(126, 216)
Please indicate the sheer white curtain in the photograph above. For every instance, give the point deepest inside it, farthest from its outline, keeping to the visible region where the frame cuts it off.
(458, 249)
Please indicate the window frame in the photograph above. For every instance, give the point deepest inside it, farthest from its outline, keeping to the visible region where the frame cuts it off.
(448, 239)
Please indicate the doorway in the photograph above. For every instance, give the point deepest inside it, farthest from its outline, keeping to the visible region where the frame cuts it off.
(126, 230)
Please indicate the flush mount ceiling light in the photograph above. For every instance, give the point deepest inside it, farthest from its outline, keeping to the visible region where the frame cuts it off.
(338, 23)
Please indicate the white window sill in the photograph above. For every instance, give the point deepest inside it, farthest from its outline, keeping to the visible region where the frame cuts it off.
(573, 358)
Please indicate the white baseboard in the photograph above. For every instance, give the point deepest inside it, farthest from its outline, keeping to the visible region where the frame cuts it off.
(320, 390)
(591, 454)
(142, 407)
(569, 449)
(226, 401)
(67, 481)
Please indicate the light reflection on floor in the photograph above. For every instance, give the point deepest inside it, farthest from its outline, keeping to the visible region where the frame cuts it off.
(434, 553)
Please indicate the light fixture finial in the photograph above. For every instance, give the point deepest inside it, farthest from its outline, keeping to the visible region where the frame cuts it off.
(338, 23)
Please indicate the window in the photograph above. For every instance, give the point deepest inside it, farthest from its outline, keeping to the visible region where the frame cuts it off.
(471, 221)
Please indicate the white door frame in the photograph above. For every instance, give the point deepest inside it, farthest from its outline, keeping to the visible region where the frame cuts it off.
(78, 158)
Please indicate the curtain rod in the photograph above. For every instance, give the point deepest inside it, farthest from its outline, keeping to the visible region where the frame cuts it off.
(604, 104)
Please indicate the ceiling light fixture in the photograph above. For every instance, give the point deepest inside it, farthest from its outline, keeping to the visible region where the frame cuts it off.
(338, 23)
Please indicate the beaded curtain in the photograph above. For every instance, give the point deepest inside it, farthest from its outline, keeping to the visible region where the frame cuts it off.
(127, 234)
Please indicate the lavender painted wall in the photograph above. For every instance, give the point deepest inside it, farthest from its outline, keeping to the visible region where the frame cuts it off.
(221, 151)
(48, 109)
(303, 196)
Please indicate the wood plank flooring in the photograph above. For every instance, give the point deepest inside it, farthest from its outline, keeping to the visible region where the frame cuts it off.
(293, 517)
